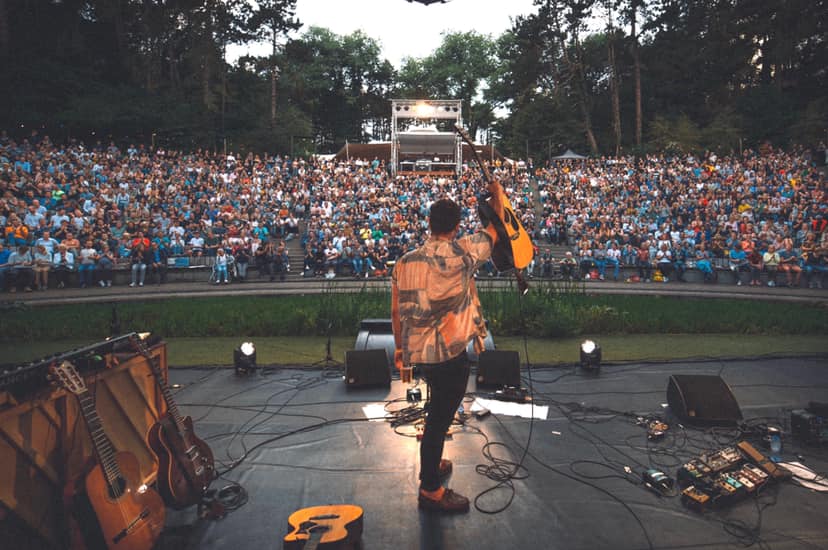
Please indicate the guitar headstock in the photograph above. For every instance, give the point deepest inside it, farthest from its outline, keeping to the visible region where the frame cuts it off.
(467, 138)
(67, 376)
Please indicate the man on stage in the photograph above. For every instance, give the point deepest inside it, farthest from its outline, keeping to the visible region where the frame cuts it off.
(435, 312)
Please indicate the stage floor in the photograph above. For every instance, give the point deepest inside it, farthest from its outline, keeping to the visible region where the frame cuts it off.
(299, 438)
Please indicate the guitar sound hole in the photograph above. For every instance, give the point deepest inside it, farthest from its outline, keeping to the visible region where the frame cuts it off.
(117, 489)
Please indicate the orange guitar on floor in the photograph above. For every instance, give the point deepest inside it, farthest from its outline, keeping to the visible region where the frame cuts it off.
(335, 527)
(130, 514)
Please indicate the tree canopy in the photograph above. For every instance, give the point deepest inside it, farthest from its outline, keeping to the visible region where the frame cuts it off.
(602, 75)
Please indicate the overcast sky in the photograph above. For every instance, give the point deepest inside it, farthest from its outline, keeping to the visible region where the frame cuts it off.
(403, 29)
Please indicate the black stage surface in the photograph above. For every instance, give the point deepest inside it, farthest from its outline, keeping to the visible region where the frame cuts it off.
(299, 438)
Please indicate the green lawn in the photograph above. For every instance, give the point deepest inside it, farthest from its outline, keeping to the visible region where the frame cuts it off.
(308, 350)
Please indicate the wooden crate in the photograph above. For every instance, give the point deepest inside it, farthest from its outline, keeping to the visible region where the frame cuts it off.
(45, 446)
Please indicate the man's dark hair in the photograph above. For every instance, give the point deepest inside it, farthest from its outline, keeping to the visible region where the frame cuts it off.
(444, 216)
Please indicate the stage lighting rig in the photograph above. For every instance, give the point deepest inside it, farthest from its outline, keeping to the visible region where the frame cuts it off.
(590, 355)
(244, 358)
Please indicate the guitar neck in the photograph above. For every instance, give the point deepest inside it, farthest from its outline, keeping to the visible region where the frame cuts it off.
(100, 441)
(172, 408)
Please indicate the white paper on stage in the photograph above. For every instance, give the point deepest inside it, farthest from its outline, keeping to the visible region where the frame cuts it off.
(509, 408)
(375, 412)
(806, 477)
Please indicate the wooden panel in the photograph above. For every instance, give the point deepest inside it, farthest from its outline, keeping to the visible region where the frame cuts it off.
(45, 446)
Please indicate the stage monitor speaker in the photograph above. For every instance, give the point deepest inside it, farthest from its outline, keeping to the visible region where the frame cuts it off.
(703, 399)
(498, 368)
(366, 368)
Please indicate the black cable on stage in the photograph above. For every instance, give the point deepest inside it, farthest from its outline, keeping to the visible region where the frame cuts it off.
(501, 471)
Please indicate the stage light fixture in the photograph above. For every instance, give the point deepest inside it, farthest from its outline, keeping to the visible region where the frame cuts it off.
(590, 355)
(244, 358)
(427, 2)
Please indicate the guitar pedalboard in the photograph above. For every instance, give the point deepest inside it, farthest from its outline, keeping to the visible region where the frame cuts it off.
(724, 477)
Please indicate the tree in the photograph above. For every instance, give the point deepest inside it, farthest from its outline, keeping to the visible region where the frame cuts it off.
(272, 20)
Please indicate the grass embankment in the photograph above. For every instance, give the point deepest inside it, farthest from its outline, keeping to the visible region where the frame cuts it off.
(285, 350)
(292, 329)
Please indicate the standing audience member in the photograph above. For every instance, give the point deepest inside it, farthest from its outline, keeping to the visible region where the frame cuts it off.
(106, 262)
(222, 264)
(138, 259)
(88, 259)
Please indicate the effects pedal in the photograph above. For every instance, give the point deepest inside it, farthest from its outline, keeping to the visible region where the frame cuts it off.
(763, 462)
(695, 499)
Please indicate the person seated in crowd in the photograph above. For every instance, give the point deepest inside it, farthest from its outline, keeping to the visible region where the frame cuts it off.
(21, 269)
(585, 261)
(613, 258)
(64, 264)
(158, 264)
(755, 265)
(664, 261)
(4, 265)
(48, 242)
(266, 260)
(704, 263)
(139, 259)
(106, 263)
(789, 264)
(222, 266)
(88, 259)
(770, 260)
(17, 234)
(42, 266)
(738, 261)
(568, 264)
(684, 255)
(599, 257)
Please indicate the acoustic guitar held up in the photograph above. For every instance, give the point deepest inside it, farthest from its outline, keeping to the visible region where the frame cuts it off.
(513, 249)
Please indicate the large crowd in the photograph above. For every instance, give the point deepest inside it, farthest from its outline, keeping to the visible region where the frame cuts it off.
(74, 212)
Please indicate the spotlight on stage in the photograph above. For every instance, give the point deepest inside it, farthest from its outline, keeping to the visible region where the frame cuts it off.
(244, 358)
(590, 355)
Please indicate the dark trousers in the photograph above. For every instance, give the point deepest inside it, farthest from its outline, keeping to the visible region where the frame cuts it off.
(447, 382)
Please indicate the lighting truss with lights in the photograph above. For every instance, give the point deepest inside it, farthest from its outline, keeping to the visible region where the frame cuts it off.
(426, 109)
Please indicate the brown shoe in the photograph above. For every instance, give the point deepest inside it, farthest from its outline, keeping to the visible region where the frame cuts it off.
(444, 470)
(451, 503)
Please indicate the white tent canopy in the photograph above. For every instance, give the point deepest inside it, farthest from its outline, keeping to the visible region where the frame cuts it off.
(569, 155)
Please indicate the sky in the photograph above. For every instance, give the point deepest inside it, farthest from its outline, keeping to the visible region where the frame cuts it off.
(403, 29)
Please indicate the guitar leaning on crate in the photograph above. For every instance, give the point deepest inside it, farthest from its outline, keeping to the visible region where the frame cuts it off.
(130, 514)
(513, 247)
(185, 463)
(335, 527)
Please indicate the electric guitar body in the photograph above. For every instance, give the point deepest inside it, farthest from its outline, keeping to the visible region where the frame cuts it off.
(335, 527)
(185, 462)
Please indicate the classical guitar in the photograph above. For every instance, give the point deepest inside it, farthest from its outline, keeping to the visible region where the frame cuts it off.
(335, 527)
(130, 514)
(513, 247)
(185, 462)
